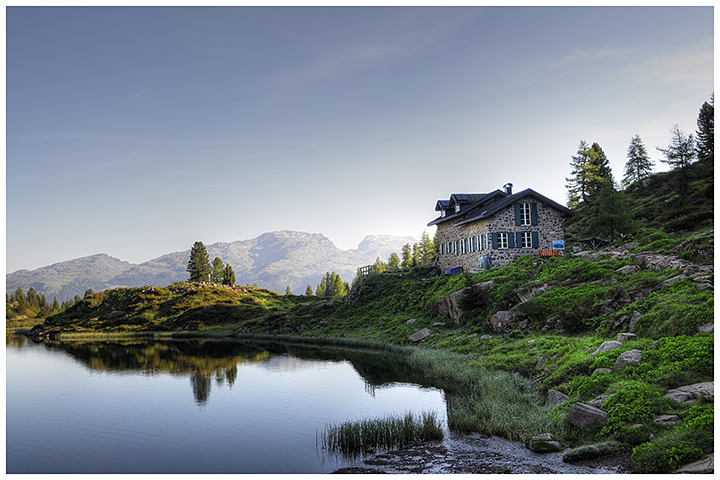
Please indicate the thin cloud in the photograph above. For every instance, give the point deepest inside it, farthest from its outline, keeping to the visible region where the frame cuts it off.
(685, 66)
(135, 96)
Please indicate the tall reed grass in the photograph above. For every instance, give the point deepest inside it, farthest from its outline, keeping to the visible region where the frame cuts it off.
(351, 440)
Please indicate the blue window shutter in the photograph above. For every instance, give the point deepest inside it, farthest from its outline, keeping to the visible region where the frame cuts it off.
(533, 213)
(494, 240)
(511, 240)
(536, 239)
(519, 239)
(518, 206)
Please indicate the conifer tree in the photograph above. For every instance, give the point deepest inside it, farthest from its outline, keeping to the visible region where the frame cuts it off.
(428, 251)
(406, 256)
(228, 276)
(416, 255)
(681, 151)
(706, 129)
(393, 264)
(288, 292)
(218, 271)
(199, 264)
(639, 164)
(308, 291)
(590, 170)
(378, 266)
(612, 218)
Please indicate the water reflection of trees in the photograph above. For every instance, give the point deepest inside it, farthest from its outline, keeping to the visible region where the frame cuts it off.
(208, 361)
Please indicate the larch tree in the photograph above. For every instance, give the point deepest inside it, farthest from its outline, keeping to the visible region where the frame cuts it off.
(199, 264)
(309, 291)
(639, 164)
(590, 171)
(681, 151)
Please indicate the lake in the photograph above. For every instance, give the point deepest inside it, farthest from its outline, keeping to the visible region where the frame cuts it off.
(193, 406)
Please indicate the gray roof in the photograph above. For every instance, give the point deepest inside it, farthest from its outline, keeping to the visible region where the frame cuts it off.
(486, 205)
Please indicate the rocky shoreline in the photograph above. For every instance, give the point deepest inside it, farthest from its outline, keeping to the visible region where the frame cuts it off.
(483, 454)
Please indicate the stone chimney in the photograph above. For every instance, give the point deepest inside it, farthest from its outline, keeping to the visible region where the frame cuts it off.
(508, 188)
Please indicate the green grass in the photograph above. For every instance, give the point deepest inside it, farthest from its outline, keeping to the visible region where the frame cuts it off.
(351, 440)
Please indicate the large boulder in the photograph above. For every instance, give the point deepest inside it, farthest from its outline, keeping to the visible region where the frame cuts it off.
(419, 335)
(630, 357)
(555, 398)
(690, 393)
(582, 415)
(501, 320)
(628, 269)
(706, 465)
(607, 346)
(449, 304)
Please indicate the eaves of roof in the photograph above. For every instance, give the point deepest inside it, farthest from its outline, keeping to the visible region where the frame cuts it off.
(494, 207)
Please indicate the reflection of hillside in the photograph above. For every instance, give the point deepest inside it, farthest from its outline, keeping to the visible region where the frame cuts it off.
(205, 361)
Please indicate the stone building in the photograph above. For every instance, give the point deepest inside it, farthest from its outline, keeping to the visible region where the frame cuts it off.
(499, 226)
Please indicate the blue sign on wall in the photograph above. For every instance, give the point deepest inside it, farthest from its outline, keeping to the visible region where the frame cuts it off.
(559, 245)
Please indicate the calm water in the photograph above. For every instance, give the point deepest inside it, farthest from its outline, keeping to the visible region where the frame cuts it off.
(192, 407)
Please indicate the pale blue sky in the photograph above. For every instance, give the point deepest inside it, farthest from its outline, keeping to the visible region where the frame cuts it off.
(137, 131)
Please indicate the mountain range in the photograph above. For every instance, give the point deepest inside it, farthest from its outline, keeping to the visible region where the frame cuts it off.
(274, 260)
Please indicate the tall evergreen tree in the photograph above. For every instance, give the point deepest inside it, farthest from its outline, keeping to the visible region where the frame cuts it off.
(639, 164)
(199, 264)
(706, 129)
(427, 248)
(378, 266)
(416, 255)
(612, 218)
(407, 261)
(681, 151)
(288, 292)
(218, 270)
(393, 264)
(590, 171)
(228, 276)
(309, 291)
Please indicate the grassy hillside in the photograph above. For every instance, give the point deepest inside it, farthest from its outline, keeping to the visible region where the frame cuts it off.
(657, 281)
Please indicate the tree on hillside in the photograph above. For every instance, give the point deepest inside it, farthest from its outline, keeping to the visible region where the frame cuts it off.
(309, 291)
(218, 269)
(199, 264)
(611, 219)
(288, 292)
(428, 251)
(378, 266)
(331, 285)
(416, 255)
(407, 261)
(590, 170)
(393, 263)
(228, 276)
(681, 151)
(706, 129)
(639, 164)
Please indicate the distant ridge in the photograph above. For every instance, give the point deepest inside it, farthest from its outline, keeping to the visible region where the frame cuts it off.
(273, 260)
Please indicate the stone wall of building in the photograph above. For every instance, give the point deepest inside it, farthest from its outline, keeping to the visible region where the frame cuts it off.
(549, 228)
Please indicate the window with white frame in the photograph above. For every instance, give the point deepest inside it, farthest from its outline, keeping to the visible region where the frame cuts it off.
(468, 245)
(485, 241)
(525, 215)
(526, 240)
(502, 239)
